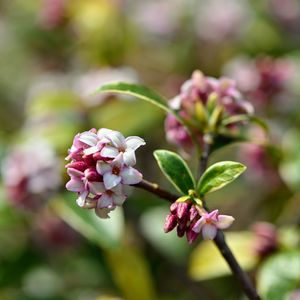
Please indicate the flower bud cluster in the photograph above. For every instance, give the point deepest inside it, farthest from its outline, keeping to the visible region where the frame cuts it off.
(203, 102)
(191, 221)
(101, 164)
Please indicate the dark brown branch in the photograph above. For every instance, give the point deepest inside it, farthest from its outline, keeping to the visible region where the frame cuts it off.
(155, 189)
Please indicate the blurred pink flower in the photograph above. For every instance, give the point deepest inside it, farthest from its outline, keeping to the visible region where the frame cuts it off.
(31, 173)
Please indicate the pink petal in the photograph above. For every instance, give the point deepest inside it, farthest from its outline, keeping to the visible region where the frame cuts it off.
(75, 173)
(109, 151)
(110, 180)
(224, 221)
(96, 187)
(213, 215)
(103, 167)
(209, 231)
(134, 142)
(198, 225)
(105, 201)
(129, 157)
(75, 185)
(118, 199)
(130, 175)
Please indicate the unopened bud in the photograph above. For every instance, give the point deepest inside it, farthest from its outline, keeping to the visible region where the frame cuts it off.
(181, 230)
(173, 207)
(193, 212)
(170, 223)
(78, 165)
(182, 210)
(191, 236)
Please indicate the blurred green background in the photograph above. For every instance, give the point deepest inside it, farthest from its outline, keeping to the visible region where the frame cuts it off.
(53, 55)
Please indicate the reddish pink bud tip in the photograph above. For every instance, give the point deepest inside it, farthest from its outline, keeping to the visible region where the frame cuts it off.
(182, 210)
(170, 223)
(173, 207)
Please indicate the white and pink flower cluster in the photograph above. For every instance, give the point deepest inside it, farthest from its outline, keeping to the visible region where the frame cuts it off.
(203, 89)
(101, 164)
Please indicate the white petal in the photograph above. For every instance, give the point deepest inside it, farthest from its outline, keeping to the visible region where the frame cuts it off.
(224, 221)
(105, 201)
(118, 161)
(118, 199)
(97, 187)
(116, 138)
(110, 180)
(81, 199)
(198, 226)
(74, 173)
(134, 142)
(175, 102)
(209, 231)
(129, 157)
(103, 167)
(88, 138)
(75, 185)
(109, 151)
(130, 175)
(91, 150)
(118, 189)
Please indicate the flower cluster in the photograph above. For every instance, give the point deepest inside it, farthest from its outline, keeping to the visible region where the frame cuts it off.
(101, 164)
(191, 221)
(31, 174)
(203, 102)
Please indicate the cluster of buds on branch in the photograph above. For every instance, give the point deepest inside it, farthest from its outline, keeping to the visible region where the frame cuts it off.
(190, 219)
(101, 164)
(206, 104)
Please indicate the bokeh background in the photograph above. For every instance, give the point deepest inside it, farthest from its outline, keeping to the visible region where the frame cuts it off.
(53, 55)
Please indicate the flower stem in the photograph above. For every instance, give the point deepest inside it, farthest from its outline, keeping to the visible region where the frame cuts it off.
(219, 240)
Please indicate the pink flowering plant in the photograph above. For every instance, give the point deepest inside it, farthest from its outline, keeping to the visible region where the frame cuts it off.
(207, 114)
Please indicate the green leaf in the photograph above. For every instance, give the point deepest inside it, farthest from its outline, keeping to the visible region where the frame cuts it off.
(105, 233)
(206, 262)
(279, 275)
(138, 91)
(176, 170)
(219, 175)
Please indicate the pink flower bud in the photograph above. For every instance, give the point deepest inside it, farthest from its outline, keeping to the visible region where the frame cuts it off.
(181, 230)
(193, 212)
(182, 210)
(191, 235)
(170, 223)
(173, 208)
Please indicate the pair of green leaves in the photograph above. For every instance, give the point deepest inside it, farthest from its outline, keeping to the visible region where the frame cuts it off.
(215, 177)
